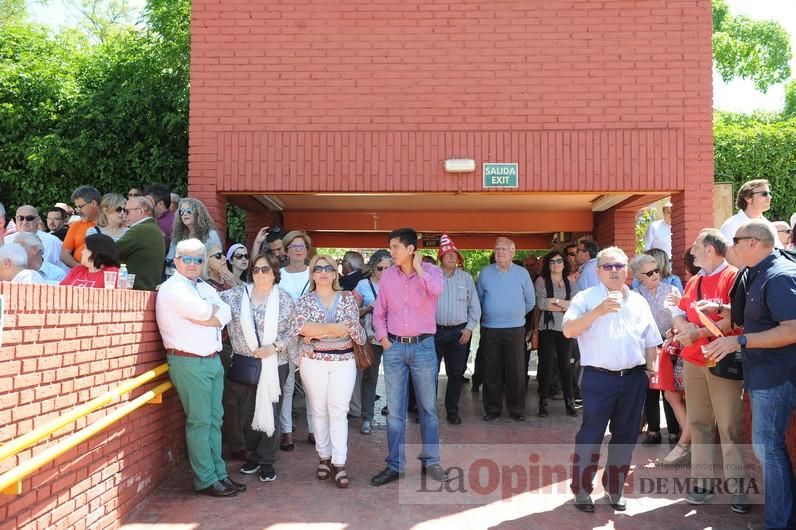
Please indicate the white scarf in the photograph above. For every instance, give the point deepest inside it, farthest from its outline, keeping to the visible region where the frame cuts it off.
(268, 388)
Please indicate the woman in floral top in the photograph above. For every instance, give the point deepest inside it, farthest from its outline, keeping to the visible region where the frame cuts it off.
(264, 271)
(328, 321)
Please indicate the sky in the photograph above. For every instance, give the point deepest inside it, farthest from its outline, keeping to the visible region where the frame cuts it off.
(736, 96)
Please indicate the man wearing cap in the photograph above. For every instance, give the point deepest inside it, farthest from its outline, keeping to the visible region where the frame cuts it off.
(659, 233)
(458, 311)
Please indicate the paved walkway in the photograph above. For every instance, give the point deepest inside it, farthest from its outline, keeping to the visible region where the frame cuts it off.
(506, 475)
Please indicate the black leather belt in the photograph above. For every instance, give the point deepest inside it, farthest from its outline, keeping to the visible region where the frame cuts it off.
(620, 373)
(455, 326)
(180, 353)
(409, 340)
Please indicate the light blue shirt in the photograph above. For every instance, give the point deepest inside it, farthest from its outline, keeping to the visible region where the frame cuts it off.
(364, 290)
(588, 275)
(506, 297)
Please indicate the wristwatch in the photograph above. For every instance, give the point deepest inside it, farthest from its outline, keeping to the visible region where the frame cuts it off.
(742, 341)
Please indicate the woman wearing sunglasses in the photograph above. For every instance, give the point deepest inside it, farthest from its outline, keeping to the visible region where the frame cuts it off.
(110, 220)
(261, 317)
(553, 294)
(192, 221)
(217, 273)
(238, 262)
(328, 321)
(368, 290)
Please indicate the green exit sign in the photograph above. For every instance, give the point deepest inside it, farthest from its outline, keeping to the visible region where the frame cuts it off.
(501, 175)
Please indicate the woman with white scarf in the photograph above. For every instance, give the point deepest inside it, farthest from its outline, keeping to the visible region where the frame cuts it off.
(328, 321)
(262, 314)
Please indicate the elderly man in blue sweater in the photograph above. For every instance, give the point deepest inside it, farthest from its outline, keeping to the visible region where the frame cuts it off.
(507, 295)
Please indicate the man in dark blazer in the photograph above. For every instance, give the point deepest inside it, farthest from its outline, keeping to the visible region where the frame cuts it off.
(142, 247)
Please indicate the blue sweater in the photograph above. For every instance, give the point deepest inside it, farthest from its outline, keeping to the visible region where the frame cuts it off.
(506, 297)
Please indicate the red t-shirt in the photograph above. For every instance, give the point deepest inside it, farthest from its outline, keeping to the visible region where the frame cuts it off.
(716, 286)
(80, 276)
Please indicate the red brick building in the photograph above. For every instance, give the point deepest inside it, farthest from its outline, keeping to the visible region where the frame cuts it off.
(338, 116)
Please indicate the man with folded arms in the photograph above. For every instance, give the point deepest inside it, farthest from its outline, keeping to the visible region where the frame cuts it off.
(618, 341)
(403, 320)
(190, 315)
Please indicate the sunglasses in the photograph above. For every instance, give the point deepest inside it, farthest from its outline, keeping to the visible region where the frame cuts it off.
(557, 261)
(649, 274)
(298, 247)
(21, 218)
(737, 240)
(264, 269)
(128, 210)
(217, 255)
(183, 211)
(382, 268)
(119, 209)
(612, 266)
(191, 259)
(765, 193)
(240, 256)
(322, 268)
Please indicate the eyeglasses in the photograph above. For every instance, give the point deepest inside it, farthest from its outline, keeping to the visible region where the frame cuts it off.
(240, 256)
(21, 218)
(183, 211)
(297, 246)
(217, 255)
(79, 207)
(737, 240)
(649, 274)
(119, 209)
(556, 261)
(764, 193)
(128, 210)
(323, 268)
(382, 268)
(783, 231)
(191, 259)
(264, 269)
(612, 266)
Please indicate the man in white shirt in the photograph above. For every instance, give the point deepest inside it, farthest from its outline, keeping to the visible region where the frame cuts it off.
(35, 250)
(27, 219)
(618, 340)
(190, 316)
(659, 233)
(753, 199)
(14, 263)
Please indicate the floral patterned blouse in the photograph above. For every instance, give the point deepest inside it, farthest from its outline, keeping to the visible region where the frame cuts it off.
(661, 314)
(309, 308)
(285, 333)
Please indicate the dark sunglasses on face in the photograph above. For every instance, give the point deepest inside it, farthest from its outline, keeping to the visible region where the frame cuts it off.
(119, 209)
(240, 256)
(649, 274)
(264, 269)
(557, 261)
(737, 240)
(323, 268)
(217, 255)
(183, 211)
(765, 193)
(191, 259)
(612, 266)
(21, 218)
(382, 268)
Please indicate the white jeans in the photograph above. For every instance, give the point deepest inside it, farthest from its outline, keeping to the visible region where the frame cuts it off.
(286, 413)
(329, 385)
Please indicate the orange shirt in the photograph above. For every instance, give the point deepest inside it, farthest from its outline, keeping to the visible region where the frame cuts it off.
(76, 238)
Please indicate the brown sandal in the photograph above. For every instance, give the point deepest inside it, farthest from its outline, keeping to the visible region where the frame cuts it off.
(324, 470)
(340, 477)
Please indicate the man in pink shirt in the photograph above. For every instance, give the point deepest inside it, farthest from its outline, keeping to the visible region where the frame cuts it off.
(404, 320)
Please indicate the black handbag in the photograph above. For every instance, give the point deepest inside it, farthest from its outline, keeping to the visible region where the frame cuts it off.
(245, 370)
(730, 367)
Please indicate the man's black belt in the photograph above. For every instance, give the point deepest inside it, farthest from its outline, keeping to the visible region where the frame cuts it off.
(409, 340)
(455, 326)
(620, 373)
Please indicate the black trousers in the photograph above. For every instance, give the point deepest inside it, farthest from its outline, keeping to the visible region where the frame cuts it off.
(446, 341)
(231, 400)
(262, 448)
(554, 350)
(652, 411)
(370, 377)
(504, 362)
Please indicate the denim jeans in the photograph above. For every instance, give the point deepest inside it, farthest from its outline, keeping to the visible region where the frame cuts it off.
(421, 361)
(771, 413)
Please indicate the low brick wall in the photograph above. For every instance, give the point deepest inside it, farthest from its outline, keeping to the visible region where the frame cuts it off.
(61, 347)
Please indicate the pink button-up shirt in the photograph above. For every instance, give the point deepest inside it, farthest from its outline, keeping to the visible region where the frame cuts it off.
(407, 305)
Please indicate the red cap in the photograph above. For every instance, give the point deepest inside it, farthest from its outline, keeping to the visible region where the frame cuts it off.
(446, 246)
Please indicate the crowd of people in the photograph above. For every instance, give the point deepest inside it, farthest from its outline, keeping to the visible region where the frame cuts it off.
(612, 335)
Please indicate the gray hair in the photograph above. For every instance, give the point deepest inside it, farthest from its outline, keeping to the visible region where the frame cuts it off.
(758, 229)
(88, 194)
(15, 253)
(192, 246)
(639, 261)
(27, 239)
(613, 251)
(714, 238)
(377, 256)
(354, 259)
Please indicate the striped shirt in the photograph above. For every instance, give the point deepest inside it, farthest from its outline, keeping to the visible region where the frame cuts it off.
(458, 303)
(615, 341)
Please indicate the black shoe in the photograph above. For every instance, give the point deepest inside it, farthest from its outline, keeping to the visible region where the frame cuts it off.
(569, 403)
(250, 468)
(465, 379)
(218, 489)
(435, 471)
(578, 402)
(267, 473)
(653, 438)
(740, 504)
(385, 476)
(384, 411)
(673, 439)
(617, 501)
(583, 502)
(310, 438)
(454, 419)
(228, 482)
(518, 416)
(491, 417)
(542, 411)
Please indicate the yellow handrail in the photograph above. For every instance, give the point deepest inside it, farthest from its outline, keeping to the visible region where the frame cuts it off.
(38, 434)
(11, 481)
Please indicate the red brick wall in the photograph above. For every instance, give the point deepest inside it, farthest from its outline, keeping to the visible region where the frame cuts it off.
(61, 347)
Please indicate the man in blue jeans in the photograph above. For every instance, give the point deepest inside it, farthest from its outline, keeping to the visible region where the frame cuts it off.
(769, 362)
(403, 320)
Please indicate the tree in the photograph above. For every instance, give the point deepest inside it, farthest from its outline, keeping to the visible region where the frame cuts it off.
(790, 100)
(749, 49)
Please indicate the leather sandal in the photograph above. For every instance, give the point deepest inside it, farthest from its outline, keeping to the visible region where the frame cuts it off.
(324, 470)
(340, 477)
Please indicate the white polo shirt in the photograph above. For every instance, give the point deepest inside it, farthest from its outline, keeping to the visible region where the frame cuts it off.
(731, 226)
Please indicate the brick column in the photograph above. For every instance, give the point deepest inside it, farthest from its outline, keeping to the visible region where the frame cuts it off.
(616, 228)
(692, 210)
(258, 219)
